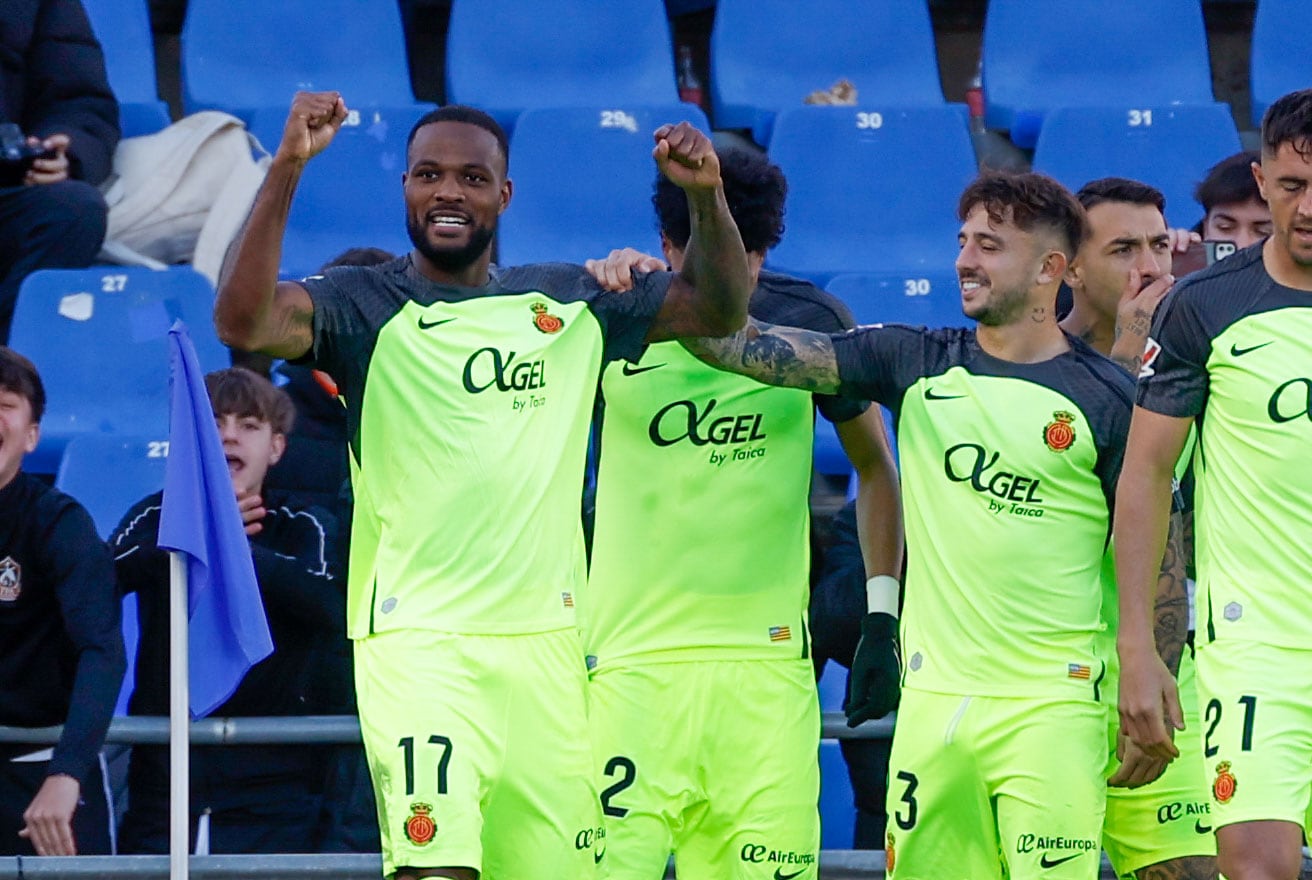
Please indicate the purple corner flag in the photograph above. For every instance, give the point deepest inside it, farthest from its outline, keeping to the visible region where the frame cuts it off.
(228, 631)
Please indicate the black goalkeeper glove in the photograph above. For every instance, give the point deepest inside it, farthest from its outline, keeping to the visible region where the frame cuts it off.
(874, 686)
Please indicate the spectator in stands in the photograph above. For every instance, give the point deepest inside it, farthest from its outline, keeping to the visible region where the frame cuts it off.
(61, 647)
(1233, 207)
(53, 87)
(244, 799)
(838, 603)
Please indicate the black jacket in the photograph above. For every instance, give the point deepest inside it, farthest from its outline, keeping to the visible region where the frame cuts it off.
(61, 642)
(52, 81)
(296, 564)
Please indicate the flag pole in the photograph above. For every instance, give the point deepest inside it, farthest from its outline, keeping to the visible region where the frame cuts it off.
(179, 720)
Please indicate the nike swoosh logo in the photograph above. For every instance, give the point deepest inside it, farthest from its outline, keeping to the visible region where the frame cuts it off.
(930, 395)
(598, 856)
(1201, 828)
(779, 875)
(1046, 862)
(1236, 351)
(429, 325)
(631, 370)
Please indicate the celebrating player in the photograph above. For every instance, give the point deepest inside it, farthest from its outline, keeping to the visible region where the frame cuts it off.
(1011, 437)
(699, 578)
(469, 391)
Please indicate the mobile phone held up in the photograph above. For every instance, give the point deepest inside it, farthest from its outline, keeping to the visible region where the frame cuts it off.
(1200, 255)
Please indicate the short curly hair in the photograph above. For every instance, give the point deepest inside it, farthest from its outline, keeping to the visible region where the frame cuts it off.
(755, 189)
(1028, 200)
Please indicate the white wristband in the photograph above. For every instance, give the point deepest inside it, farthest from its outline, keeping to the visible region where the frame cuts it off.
(881, 595)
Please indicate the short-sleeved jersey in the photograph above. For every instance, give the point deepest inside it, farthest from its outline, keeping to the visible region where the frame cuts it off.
(468, 413)
(701, 543)
(1230, 349)
(1008, 473)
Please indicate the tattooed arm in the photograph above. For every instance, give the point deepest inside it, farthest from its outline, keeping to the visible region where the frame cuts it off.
(1134, 319)
(1171, 602)
(774, 355)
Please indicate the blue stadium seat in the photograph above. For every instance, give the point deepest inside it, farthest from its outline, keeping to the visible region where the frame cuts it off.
(109, 474)
(767, 55)
(99, 338)
(837, 804)
(1169, 147)
(350, 194)
(929, 298)
(507, 56)
(1127, 53)
(1280, 60)
(123, 28)
(870, 189)
(571, 217)
(241, 54)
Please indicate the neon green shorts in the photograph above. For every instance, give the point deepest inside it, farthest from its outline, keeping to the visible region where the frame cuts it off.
(714, 761)
(972, 779)
(1170, 818)
(479, 753)
(1257, 731)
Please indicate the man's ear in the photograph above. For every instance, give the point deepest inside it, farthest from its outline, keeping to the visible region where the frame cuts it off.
(277, 446)
(33, 437)
(1053, 267)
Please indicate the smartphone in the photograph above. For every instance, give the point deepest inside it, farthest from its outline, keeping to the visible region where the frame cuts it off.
(1200, 255)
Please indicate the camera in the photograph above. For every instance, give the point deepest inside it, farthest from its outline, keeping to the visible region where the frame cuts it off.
(1200, 255)
(16, 154)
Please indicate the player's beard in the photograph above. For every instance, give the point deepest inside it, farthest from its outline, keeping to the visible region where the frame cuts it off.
(1004, 307)
(450, 259)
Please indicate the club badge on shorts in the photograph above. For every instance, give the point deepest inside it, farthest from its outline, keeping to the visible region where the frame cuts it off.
(420, 828)
(11, 579)
(544, 320)
(1223, 787)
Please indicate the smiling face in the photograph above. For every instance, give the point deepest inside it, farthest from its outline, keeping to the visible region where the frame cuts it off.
(1000, 268)
(455, 190)
(18, 433)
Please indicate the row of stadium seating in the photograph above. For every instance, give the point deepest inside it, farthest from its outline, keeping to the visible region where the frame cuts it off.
(869, 190)
(508, 56)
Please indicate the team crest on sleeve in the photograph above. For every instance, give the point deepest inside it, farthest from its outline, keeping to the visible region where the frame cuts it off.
(420, 828)
(1059, 434)
(11, 579)
(890, 853)
(544, 320)
(1223, 787)
(1150, 352)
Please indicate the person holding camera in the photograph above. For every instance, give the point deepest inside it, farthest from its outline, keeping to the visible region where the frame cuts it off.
(58, 129)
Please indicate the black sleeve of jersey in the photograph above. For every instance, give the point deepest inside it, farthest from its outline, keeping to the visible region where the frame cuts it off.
(1111, 427)
(792, 302)
(627, 317)
(880, 361)
(81, 568)
(138, 560)
(297, 566)
(1173, 379)
(338, 319)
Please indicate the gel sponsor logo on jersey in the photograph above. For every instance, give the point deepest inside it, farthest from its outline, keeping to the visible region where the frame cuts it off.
(491, 368)
(1010, 493)
(1177, 810)
(1055, 850)
(788, 863)
(685, 420)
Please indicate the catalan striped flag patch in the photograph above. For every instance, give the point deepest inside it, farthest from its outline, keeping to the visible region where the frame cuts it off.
(1078, 670)
(780, 633)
